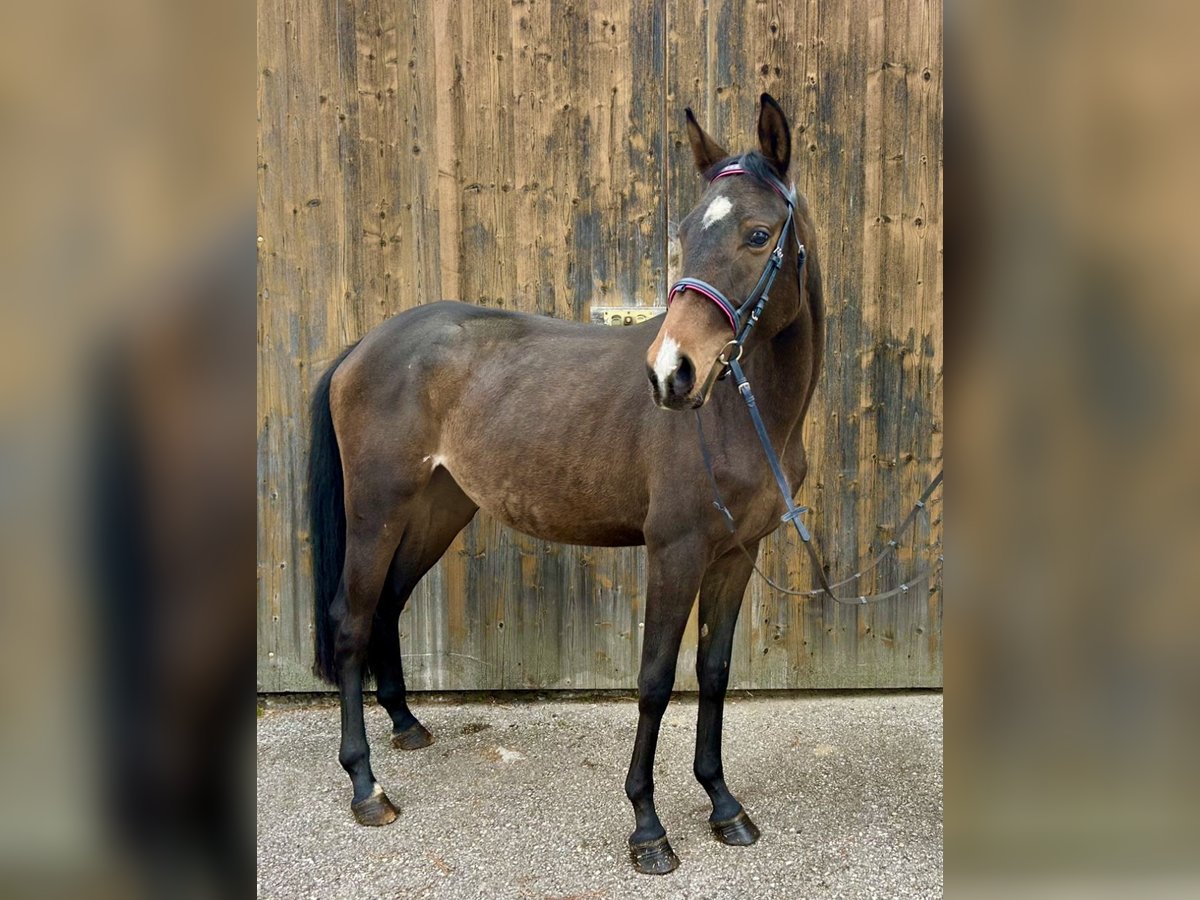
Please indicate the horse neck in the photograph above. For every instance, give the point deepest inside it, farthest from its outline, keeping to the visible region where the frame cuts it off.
(779, 370)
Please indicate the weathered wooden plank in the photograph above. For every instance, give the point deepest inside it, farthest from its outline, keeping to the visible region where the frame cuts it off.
(296, 276)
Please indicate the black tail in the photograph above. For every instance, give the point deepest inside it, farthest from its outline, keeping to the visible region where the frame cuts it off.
(327, 521)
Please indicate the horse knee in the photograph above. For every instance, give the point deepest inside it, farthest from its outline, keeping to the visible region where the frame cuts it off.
(653, 697)
(713, 676)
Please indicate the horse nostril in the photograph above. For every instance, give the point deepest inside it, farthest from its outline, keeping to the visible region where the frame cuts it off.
(684, 377)
(653, 378)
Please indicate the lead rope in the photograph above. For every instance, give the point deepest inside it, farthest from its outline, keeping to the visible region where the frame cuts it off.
(794, 512)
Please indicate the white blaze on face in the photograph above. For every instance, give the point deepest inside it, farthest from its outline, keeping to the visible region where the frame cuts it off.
(667, 359)
(717, 210)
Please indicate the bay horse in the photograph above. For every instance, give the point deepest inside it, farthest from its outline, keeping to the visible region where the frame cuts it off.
(449, 408)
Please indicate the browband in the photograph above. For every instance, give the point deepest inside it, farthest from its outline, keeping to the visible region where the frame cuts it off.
(735, 168)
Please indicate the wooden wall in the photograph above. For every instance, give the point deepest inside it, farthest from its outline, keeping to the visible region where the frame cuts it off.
(529, 154)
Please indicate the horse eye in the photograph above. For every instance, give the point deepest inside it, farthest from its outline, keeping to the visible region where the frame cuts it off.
(758, 238)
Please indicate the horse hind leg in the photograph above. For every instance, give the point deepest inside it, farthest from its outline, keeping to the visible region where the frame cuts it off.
(380, 509)
(407, 731)
(383, 433)
(368, 554)
(438, 515)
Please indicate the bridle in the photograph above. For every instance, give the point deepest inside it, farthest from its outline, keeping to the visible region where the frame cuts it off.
(742, 320)
(743, 317)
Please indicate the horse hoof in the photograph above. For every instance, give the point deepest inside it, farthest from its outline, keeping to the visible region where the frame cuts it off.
(375, 810)
(736, 832)
(654, 857)
(414, 737)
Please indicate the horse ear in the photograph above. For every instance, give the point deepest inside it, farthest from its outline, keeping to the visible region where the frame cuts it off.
(774, 134)
(705, 150)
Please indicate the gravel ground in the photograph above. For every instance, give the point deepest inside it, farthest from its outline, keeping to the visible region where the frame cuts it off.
(525, 799)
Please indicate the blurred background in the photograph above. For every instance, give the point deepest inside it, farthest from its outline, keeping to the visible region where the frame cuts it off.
(1073, 313)
(126, 448)
(127, 410)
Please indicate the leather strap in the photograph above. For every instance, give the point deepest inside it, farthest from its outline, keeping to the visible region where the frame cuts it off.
(794, 512)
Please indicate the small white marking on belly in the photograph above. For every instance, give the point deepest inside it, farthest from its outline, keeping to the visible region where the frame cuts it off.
(438, 461)
(667, 360)
(717, 210)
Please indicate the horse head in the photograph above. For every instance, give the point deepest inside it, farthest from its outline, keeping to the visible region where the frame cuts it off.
(740, 235)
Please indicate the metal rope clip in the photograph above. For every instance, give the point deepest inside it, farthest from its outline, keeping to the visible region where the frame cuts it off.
(793, 516)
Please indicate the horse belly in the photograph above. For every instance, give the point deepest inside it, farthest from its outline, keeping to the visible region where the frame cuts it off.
(533, 501)
(532, 439)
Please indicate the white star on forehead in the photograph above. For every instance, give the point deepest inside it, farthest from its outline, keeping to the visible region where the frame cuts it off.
(717, 210)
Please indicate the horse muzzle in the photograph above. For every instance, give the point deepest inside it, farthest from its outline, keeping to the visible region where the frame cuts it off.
(679, 390)
(675, 388)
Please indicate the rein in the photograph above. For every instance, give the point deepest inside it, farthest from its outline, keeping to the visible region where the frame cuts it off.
(751, 308)
(794, 512)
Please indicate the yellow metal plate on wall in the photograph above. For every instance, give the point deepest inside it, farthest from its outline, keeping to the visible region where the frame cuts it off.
(625, 315)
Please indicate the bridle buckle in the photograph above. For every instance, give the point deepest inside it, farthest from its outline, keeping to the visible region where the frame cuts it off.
(724, 359)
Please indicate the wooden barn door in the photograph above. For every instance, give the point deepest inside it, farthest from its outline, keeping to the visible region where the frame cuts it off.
(529, 155)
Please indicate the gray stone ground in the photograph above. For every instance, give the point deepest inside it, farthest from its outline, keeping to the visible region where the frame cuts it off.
(525, 799)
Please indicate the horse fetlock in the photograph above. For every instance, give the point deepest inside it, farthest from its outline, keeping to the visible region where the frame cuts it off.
(352, 759)
(708, 772)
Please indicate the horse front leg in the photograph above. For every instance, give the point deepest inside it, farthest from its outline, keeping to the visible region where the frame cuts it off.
(721, 594)
(673, 578)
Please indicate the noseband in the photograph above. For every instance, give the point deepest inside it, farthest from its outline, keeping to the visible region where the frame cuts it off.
(744, 317)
